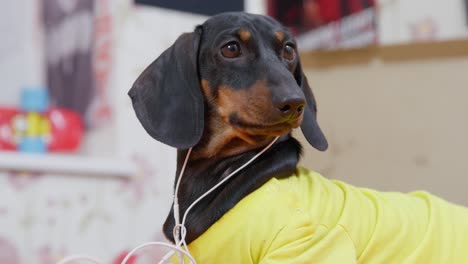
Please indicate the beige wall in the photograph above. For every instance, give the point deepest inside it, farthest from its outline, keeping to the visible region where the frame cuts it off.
(397, 127)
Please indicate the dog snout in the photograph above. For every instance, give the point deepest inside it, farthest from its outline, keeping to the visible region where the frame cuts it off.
(291, 107)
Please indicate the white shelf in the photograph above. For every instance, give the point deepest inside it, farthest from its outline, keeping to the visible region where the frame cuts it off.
(66, 164)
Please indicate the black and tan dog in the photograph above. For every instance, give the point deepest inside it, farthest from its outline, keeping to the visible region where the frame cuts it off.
(227, 90)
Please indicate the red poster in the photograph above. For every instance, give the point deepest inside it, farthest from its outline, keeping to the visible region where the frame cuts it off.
(328, 24)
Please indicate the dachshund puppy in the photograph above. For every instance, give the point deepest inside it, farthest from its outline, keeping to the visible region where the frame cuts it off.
(227, 90)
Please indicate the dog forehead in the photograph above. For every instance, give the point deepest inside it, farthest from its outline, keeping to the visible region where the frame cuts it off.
(246, 22)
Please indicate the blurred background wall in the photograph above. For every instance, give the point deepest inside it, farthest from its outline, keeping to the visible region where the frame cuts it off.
(396, 125)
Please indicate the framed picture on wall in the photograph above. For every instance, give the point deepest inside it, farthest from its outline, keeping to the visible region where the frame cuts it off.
(78, 57)
(328, 24)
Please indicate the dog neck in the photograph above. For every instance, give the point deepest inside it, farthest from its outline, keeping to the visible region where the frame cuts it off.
(202, 174)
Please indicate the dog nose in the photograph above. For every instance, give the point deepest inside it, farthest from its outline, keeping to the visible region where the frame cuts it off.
(291, 107)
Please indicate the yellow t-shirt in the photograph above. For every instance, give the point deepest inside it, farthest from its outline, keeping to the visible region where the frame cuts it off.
(306, 218)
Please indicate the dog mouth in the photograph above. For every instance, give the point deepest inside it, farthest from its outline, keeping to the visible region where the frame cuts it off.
(275, 129)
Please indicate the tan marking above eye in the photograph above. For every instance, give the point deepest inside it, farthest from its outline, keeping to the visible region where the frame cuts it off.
(279, 36)
(244, 35)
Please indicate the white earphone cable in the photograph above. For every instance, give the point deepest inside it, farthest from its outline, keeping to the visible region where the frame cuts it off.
(180, 230)
(166, 257)
(176, 212)
(227, 178)
(79, 257)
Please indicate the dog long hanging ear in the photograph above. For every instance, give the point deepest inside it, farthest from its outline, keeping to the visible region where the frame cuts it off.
(167, 96)
(309, 126)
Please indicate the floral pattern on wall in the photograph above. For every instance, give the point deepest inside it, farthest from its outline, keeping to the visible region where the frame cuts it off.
(47, 217)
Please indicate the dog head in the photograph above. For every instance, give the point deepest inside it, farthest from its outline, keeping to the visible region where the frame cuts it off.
(242, 68)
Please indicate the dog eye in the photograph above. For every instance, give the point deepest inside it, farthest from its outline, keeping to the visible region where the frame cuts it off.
(231, 50)
(288, 52)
